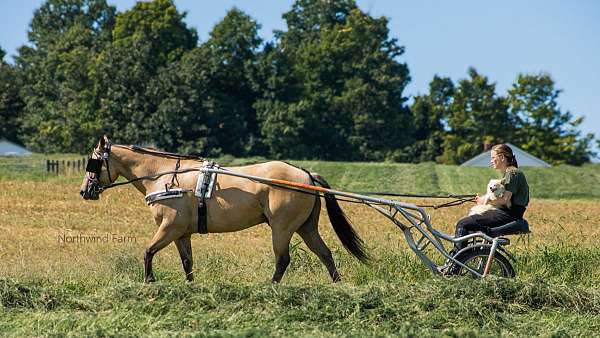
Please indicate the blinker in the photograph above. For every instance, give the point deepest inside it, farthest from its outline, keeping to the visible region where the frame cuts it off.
(93, 166)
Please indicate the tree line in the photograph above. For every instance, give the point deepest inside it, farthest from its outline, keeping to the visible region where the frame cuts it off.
(330, 86)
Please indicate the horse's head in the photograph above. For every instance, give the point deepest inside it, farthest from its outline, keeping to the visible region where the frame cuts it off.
(98, 172)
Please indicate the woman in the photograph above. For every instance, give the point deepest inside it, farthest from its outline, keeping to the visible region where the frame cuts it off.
(517, 192)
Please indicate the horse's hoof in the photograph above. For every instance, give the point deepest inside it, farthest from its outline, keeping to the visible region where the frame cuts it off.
(149, 279)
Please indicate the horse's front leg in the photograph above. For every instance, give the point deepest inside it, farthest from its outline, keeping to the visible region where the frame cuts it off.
(166, 234)
(184, 246)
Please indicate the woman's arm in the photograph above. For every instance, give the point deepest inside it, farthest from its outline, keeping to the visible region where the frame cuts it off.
(501, 200)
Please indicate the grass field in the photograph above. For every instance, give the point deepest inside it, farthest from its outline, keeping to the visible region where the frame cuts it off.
(49, 287)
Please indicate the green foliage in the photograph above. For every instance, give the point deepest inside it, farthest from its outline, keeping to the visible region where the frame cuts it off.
(453, 123)
(55, 17)
(159, 24)
(476, 115)
(229, 64)
(147, 38)
(11, 104)
(429, 113)
(308, 18)
(342, 95)
(195, 110)
(329, 87)
(65, 36)
(541, 128)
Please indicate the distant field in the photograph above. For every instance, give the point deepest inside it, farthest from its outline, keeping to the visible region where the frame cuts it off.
(426, 178)
(429, 178)
(50, 287)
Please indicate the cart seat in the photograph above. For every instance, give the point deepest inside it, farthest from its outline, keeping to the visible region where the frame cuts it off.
(518, 227)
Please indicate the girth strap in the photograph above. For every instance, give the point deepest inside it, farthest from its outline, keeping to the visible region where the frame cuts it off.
(202, 219)
(203, 192)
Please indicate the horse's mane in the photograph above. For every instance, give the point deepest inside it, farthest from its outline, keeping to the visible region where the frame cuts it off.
(156, 152)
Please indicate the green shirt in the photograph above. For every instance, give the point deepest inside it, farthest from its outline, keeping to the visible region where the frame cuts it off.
(514, 181)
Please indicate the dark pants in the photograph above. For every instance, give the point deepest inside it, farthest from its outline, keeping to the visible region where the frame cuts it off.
(490, 219)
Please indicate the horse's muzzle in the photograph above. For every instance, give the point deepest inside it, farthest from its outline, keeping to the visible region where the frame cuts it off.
(91, 191)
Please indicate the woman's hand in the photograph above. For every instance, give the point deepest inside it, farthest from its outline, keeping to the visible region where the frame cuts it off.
(479, 199)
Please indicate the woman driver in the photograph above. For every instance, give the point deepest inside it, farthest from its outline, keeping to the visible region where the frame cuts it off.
(517, 192)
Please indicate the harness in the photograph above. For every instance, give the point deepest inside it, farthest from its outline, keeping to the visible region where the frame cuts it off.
(204, 186)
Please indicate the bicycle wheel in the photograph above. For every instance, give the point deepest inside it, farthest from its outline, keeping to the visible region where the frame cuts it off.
(476, 260)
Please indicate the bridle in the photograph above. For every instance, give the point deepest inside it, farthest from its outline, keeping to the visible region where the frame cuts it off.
(94, 167)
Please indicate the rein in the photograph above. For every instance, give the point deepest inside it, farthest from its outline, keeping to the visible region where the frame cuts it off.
(95, 165)
(148, 177)
(456, 199)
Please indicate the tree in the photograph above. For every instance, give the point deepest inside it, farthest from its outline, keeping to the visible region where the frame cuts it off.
(181, 117)
(205, 100)
(55, 17)
(146, 39)
(430, 113)
(308, 18)
(334, 88)
(11, 105)
(159, 24)
(230, 64)
(541, 128)
(65, 36)
(477, 116)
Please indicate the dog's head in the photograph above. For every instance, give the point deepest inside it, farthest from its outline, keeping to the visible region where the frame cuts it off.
(495, 188)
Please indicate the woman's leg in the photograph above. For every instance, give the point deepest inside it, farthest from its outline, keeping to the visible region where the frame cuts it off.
(483, 222)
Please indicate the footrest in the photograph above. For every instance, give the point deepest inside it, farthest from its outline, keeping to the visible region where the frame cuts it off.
(520, 226)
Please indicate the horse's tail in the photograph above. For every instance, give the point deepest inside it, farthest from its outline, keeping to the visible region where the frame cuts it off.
(341, 224)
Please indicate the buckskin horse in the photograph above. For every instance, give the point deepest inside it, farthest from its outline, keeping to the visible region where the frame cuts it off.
(236, 203)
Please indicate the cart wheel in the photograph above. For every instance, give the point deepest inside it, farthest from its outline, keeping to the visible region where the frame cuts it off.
(476, 260)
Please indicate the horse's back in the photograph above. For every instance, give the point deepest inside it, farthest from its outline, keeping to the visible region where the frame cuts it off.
(275, 169)
(239, 202)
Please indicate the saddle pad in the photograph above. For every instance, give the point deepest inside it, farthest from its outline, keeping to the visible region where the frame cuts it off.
(163, 195)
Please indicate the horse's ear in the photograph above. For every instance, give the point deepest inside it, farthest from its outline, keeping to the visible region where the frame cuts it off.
(103, 141)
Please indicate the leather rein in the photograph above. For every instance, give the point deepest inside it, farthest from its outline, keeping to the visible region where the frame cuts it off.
(94, 166)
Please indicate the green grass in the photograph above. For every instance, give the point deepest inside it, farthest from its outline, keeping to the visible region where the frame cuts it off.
(429, 178)
(392, 302)
(425, 178)
(96, 290)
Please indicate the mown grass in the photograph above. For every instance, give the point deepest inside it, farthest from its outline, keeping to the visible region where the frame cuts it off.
(436, 308)
(52, 288)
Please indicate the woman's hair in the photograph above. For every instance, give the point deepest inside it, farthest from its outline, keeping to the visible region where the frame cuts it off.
(505, 151)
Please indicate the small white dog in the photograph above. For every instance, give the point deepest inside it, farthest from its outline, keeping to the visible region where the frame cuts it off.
(495, 190)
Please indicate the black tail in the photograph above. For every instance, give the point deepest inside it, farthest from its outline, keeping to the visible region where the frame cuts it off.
(341, 224)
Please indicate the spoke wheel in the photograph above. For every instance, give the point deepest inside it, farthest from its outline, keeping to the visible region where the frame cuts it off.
(476, 260)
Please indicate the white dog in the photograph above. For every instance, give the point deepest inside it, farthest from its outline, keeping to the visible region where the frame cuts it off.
(495, 190)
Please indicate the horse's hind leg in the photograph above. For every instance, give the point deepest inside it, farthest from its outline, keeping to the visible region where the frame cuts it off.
(310, 234)
(184, 246)
(162, 238)
(281, 248)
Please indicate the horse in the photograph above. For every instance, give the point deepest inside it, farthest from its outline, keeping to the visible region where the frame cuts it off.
(236, 203)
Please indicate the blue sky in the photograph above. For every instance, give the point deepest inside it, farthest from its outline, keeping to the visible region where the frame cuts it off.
(499, 38)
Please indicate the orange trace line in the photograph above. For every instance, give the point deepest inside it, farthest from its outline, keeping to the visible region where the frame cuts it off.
(299, 185)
